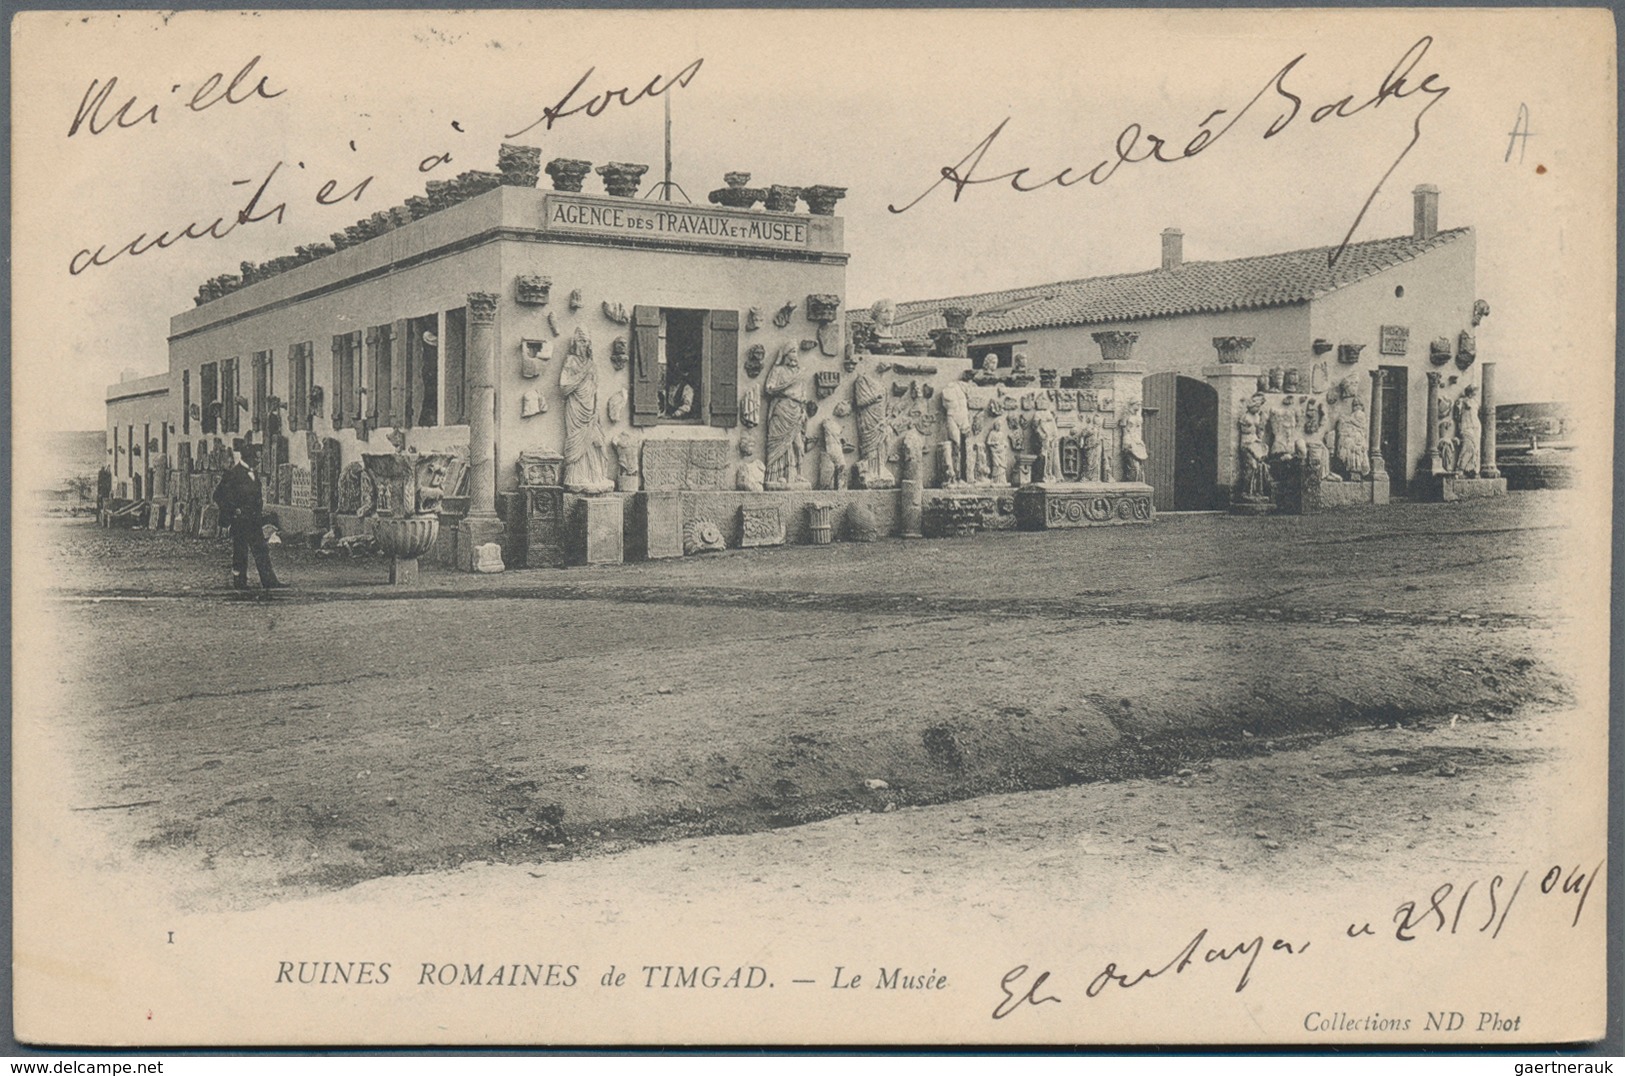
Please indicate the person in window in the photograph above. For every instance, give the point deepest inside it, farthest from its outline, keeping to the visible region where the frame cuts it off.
(242, 503)
(680, 400)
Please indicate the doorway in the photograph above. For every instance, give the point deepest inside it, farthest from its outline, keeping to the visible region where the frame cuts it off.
(1395, 442)
(1182, 442)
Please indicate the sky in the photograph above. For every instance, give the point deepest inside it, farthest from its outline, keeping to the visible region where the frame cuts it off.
(878, 102)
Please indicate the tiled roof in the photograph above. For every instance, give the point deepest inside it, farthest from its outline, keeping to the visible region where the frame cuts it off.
(1194, 287)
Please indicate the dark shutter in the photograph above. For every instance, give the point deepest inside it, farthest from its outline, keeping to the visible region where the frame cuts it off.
(455, 412)
(645, 364)
(377, 375)
(337, 392)
(361, 405)
(722, 359)
(368, 413)
(186, 401)
(402, 360)
(231, 415)
(257, 376)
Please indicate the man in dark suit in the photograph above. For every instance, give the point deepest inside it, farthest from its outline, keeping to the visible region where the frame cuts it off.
(242, 504)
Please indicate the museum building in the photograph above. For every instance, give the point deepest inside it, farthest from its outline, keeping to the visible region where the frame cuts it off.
(1306, 332)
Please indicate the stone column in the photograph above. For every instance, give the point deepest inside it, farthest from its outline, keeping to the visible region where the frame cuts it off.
(1430, 455)
(1236, 383)
(1486, 459)
(481, 525)
(1379, 468)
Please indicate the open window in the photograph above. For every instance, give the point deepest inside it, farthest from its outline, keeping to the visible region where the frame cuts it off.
(684, 366)
(455, 345)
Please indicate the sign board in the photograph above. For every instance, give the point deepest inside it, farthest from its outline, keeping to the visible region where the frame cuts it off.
(1395, 338)
(662, 220)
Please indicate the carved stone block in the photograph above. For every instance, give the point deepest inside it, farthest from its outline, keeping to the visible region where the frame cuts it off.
(1047, 506)
(596, 531)
(654, 526)
(544, 528)
(760, 525)
(303, 496)
(678, 464)
(488, 558)
(539, 468)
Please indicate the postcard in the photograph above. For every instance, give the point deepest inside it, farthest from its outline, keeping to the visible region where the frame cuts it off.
(888, 527)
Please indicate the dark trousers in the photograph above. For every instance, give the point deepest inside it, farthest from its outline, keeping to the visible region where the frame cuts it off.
(244, 538)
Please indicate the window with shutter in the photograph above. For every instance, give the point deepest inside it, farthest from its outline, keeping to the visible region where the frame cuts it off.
(722, 361)
(381, 404)
(360, 387)
(647, 374)
(186, 401)
(423, 347)
(339, 390)
(260, 365)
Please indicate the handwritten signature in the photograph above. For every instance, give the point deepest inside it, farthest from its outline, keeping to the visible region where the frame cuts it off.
(90, 119)
(1019, 991)
(1136, 145)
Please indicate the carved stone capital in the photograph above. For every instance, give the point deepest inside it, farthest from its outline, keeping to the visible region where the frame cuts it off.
(566, 173)
(1116, 345)
(521, 166)
(956, 317)
(482, 307)
(531, 289)
(782, 199)
(823, 308)
(1349, 354)
(821, 199)
(621, 180)
(1233, 349)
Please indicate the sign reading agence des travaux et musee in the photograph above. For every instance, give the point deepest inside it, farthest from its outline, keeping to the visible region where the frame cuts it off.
(665, 221)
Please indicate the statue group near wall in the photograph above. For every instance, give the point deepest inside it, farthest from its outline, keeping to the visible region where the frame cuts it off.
(1353, 441)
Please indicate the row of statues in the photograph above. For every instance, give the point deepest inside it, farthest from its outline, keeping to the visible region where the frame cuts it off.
(1458, 433)
(1299, 429)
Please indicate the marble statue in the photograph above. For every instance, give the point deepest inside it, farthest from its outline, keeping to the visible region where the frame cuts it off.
(1314, 437)
(627, 477)
(998, 454)
(868, 396)
(751, 474)
(833, 464)
(1048, 435)
(956, 425)
(1354, 441)
(1445, 445)
(583, 438)
(1255, 478)
(786, 422)
(1131, 426)
(1285, 428)
(1468, 431)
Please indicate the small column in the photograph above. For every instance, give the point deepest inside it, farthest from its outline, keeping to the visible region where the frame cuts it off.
(1379, 468)
(1486, 459)
(481, 526)
(1430, 454)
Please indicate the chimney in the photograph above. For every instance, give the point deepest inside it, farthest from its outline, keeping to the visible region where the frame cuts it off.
(1427, 211)
(1173, 248)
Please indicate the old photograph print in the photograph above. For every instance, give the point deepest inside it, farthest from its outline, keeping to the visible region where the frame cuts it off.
(832, 527)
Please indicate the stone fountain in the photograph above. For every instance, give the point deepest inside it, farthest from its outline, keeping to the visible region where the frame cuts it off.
(407, 490)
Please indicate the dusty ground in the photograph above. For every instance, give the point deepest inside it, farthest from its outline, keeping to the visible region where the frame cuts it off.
(1225, 677)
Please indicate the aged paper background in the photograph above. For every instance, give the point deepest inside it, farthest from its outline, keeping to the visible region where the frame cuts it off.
(877, 101)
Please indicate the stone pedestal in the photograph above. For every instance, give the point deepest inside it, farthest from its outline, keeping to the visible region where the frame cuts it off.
(1235, 382)
(654, 526)
(473, 532)
(1052, 505)
(1455, 487)
(1353, 493)
(910, 507)
(596, 532)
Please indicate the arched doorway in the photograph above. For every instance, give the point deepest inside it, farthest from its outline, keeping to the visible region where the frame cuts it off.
(1182, 442)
